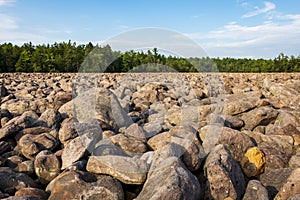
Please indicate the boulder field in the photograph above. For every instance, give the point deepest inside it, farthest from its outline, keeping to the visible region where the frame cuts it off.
(150, 136)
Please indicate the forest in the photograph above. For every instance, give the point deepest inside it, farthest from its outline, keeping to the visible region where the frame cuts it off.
(70, 57)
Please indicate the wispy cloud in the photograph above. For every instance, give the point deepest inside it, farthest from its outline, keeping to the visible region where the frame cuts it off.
(54, 31)
(7, 23)
(7, 2)
(266, 39)
(269, 6)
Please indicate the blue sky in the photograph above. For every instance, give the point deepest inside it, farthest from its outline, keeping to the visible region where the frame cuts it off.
(223, 28)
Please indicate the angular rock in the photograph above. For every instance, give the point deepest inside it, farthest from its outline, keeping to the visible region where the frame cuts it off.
(233, 122)
(295, 160)
(159, 140)
(5, 147)
(18, 107)
(291, 130)
(77, 148)
(148, 157)
(11, 181)
(184, 136)
(33, 192)
(255, 190)
(67, 110)
(105, 105)
(253, 162)
(129, 144)
(259, 116)
(17, 124)
(277, 149)
(46, 166)
(13, 161)
(152, 128)
(170, 180)
(105, 148)
(21, 198)
(239, 103)
(235, 141)
(136, 132)
(26, 167)
(275, 179)
(61, 98)
(3, 91)
(225, 178)
(50, 119)
(33, 130)
(31, 145)
(84, 185)
(272, 129)
(285, 118)
(291, 187)
(68, 130)
(125, 169)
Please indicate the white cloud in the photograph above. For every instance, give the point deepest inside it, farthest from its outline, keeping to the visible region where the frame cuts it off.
(54, 31)
(269, 6)
(7, 23)
(7, 2)
(263, 40)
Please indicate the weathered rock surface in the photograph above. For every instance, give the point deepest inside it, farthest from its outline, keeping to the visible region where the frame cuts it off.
(84, 185)
(125, 169)
(68, 130)
(149, 136)
(76, 149)
(255, 190)
(33, 192)
(17, 124)
(12, 181)
(46, 166)
(259, 116)
(225, 178)
(276, 148)
(275, 179)
(291, 187)
(129, 144)
(30, 145)
(235, 141)
(253, 162)
(169, 179)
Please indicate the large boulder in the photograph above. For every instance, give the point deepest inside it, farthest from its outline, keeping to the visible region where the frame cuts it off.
(30, 145)
(125, 169)
(12, 181)
(170, 180)
(47, 166)
(225, 178)
(291, 187)
(17, 124)
(261, 116)
(275, 179)
(255, 190)
(84, 185)
(32, 192)
(235, 141)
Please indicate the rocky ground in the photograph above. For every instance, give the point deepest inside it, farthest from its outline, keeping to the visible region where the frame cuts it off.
(150, 136)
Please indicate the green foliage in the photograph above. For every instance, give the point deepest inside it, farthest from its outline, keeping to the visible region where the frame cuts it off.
(69, 57)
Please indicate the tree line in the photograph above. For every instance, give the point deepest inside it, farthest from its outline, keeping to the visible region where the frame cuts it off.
(69, 57)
